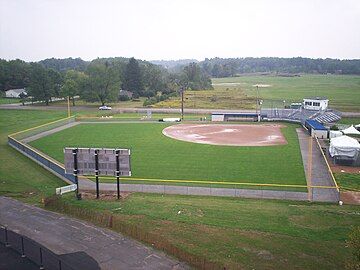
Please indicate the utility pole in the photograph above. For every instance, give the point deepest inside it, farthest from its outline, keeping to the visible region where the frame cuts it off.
(68, 106)
(182, 90)
(257, 103)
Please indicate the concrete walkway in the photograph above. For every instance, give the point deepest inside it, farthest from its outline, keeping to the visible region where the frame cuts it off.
(64, 235)
(320, 175)
(49, 132)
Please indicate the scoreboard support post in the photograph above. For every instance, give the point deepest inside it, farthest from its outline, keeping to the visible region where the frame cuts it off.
(117, 173)
(97, 172)
(75, 152)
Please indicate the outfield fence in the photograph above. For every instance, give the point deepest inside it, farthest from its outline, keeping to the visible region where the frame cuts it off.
(26, 247)
(117, 223)
(14, 140)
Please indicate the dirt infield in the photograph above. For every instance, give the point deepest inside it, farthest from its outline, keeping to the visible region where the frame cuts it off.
(235, 135)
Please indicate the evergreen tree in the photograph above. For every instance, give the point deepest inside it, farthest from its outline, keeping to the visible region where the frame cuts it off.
(41, 83)
(133, 80)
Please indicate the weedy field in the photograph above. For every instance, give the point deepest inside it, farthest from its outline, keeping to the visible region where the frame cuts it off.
(343, 92)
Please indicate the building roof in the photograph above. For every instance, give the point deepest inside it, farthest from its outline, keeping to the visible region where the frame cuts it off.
(237, 114)
(351, 130)
(17, 91)
(315, 124)
(317, 98)
(125, 93)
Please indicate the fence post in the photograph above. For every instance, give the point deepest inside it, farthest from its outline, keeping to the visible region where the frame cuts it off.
(59, 264)
(41, 259)
(22, 248)
(6, 238)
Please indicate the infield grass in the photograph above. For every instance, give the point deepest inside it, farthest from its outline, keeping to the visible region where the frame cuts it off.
(156, 156)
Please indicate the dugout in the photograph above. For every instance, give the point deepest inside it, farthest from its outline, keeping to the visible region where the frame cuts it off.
(316, 129)
(227, 117)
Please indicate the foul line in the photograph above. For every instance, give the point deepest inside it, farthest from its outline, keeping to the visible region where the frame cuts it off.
(22, 131)
(327, 163)
(170, 180)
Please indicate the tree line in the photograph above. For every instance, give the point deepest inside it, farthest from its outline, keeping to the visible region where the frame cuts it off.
(99, 80)
(227, 67)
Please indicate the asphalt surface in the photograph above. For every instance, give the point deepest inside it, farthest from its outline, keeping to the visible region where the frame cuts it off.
(81, 244)
(11, 260)
(320, 175)
(140, 110)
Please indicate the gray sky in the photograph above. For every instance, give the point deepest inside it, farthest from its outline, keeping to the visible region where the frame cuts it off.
(173, 29)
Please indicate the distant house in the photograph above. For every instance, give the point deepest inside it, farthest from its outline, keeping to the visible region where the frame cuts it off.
(124, 93)
(15, 93)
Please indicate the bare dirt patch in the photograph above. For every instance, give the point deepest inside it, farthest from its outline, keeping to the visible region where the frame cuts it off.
(104, 195)
(228, 134)
(350, 197)
(343, 169)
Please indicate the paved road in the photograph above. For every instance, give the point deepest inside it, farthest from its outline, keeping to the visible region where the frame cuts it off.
(141, 110)
(320, 173)
(64, 235)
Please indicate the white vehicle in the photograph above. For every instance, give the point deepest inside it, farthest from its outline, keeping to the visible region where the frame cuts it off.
(104, 108)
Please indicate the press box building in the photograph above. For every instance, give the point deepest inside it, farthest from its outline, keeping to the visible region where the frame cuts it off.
(315, 103)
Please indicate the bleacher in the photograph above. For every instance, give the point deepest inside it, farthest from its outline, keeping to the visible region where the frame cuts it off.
(301, 115)
(328, 117)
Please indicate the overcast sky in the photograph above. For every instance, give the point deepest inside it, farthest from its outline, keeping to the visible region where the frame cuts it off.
(173, 29)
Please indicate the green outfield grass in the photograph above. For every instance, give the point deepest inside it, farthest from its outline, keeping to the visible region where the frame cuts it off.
(156, 156)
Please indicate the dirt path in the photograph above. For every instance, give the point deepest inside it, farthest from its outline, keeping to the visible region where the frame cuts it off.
(64, 235)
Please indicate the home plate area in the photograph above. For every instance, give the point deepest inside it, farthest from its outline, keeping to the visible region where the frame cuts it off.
(235, 135)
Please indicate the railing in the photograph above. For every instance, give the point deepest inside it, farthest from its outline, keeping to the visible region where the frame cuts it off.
(26, 247)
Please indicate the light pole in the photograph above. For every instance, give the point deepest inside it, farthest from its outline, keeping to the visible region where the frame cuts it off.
(182, 90)
(257, 103)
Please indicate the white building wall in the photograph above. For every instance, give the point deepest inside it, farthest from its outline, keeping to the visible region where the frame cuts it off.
(11, 94)
(315, 104)
(321, 134)
(217, 117)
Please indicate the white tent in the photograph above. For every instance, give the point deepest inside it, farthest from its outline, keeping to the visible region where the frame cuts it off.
(335, 133)
(344, 146)
(357, 126)
(351, 130)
